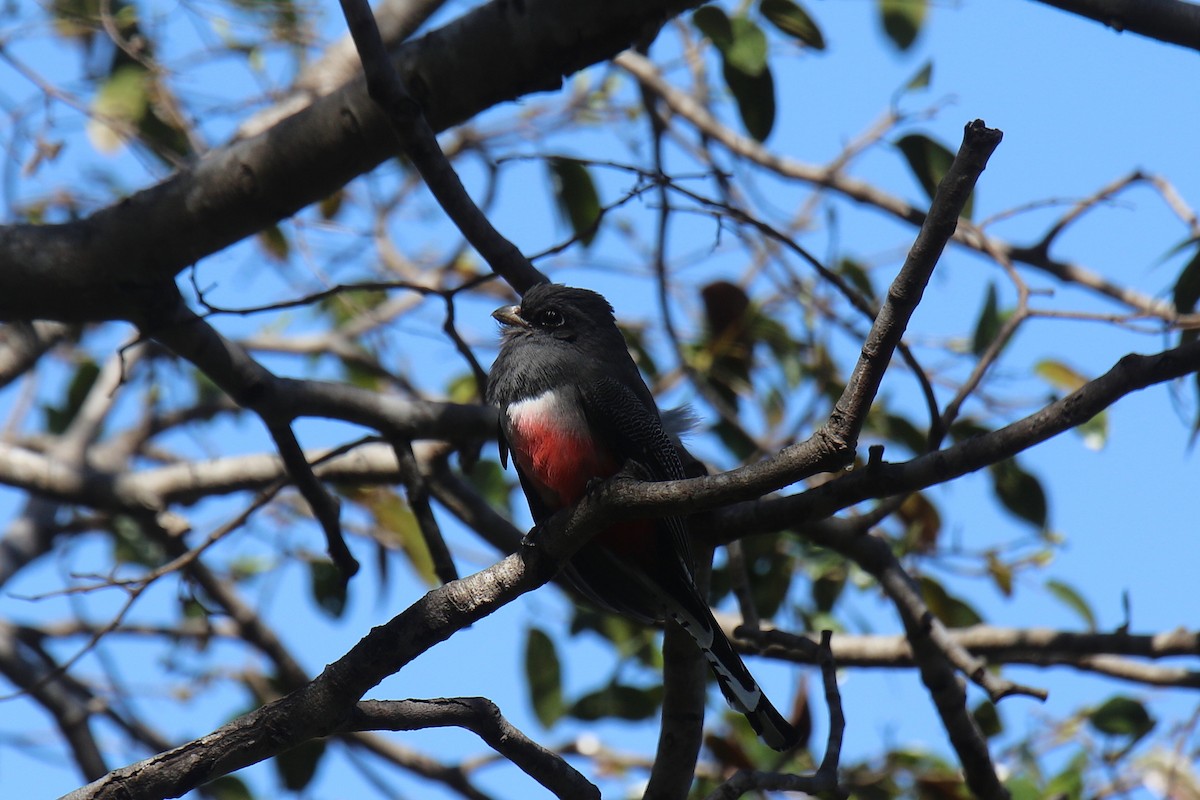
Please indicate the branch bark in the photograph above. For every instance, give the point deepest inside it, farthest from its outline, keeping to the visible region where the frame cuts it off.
(97, 268)
(481, 716)
(321, 706)
(1171, 21)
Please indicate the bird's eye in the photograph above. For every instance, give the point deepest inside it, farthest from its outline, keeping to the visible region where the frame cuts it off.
(550, 318)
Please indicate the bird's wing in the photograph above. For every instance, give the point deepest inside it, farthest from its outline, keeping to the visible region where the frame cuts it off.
(634, 433)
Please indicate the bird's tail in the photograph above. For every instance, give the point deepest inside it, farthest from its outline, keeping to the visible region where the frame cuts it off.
(737, 684)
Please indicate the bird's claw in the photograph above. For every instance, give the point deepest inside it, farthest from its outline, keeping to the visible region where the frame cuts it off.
(529, 540)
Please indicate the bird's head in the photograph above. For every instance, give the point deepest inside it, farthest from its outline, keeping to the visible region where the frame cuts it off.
(552, 311)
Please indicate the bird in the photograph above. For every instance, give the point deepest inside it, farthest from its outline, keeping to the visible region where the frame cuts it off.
(573, 411)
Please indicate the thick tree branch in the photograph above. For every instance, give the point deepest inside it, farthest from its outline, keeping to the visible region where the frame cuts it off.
(1171, 21)
(94, 268)
(321, 706)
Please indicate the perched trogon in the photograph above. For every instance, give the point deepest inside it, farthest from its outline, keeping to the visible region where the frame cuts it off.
(574, 409)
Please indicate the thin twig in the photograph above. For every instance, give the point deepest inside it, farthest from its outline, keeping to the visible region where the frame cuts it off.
(386, 87)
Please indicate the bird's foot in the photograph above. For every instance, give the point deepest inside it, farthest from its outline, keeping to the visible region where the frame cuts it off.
(529, 540)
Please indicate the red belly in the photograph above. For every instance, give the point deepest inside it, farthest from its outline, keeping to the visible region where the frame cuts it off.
(561, 466)
(560, 463)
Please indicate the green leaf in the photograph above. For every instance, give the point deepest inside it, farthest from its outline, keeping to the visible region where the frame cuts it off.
(274, 243)
(328, 587)
(1062, 376)
(898, 429)
(463, 389)
(228, 787)
(714, 24)
(635, 337)
(1059, 375)
(922, 522)
(1019, 492)
(617, 700)
(827, 587)
(489, 480)
(857, 274)
(1068, 784)
(58, 418)
(397, 527)
(349, 304)
(952, 611)
(1068, 596)
(920, 79)
(929, 160)
(792, 19)
(1187, 286)
(988, 719)
(331, 205)
(966, 428)
(902, 20)
(544, 676)
(755, 96)
(1122, 716)
(296, 767)
(1022, 787)
(132, 546)
(631, 640)
(987, 327)
(576, 197)
(119, 107)
(1001, 573)
(734, 439)
(748, 51)
(743, 48)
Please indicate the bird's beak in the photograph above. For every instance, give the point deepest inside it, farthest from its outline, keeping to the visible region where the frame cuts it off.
(510, 315)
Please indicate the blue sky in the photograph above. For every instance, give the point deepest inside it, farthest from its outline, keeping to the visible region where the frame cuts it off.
(1080, 106)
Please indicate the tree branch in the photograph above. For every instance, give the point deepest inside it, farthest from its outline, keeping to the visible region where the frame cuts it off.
(1130, 374)
(321, 706)
(481, 716)
(1103, 653)
(967, 235)
(94, 268)
(387, 88)
(1171, 21)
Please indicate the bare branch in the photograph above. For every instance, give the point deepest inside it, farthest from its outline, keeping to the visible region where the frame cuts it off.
(418, 501)
(387, 88)
(1130, 374)
(36, 673)
(1103, 653)
(680, 735)
(967, 235)
(318, 708)
(481, 716)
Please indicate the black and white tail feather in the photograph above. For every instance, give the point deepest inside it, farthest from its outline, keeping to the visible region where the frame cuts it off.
(737, 684)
